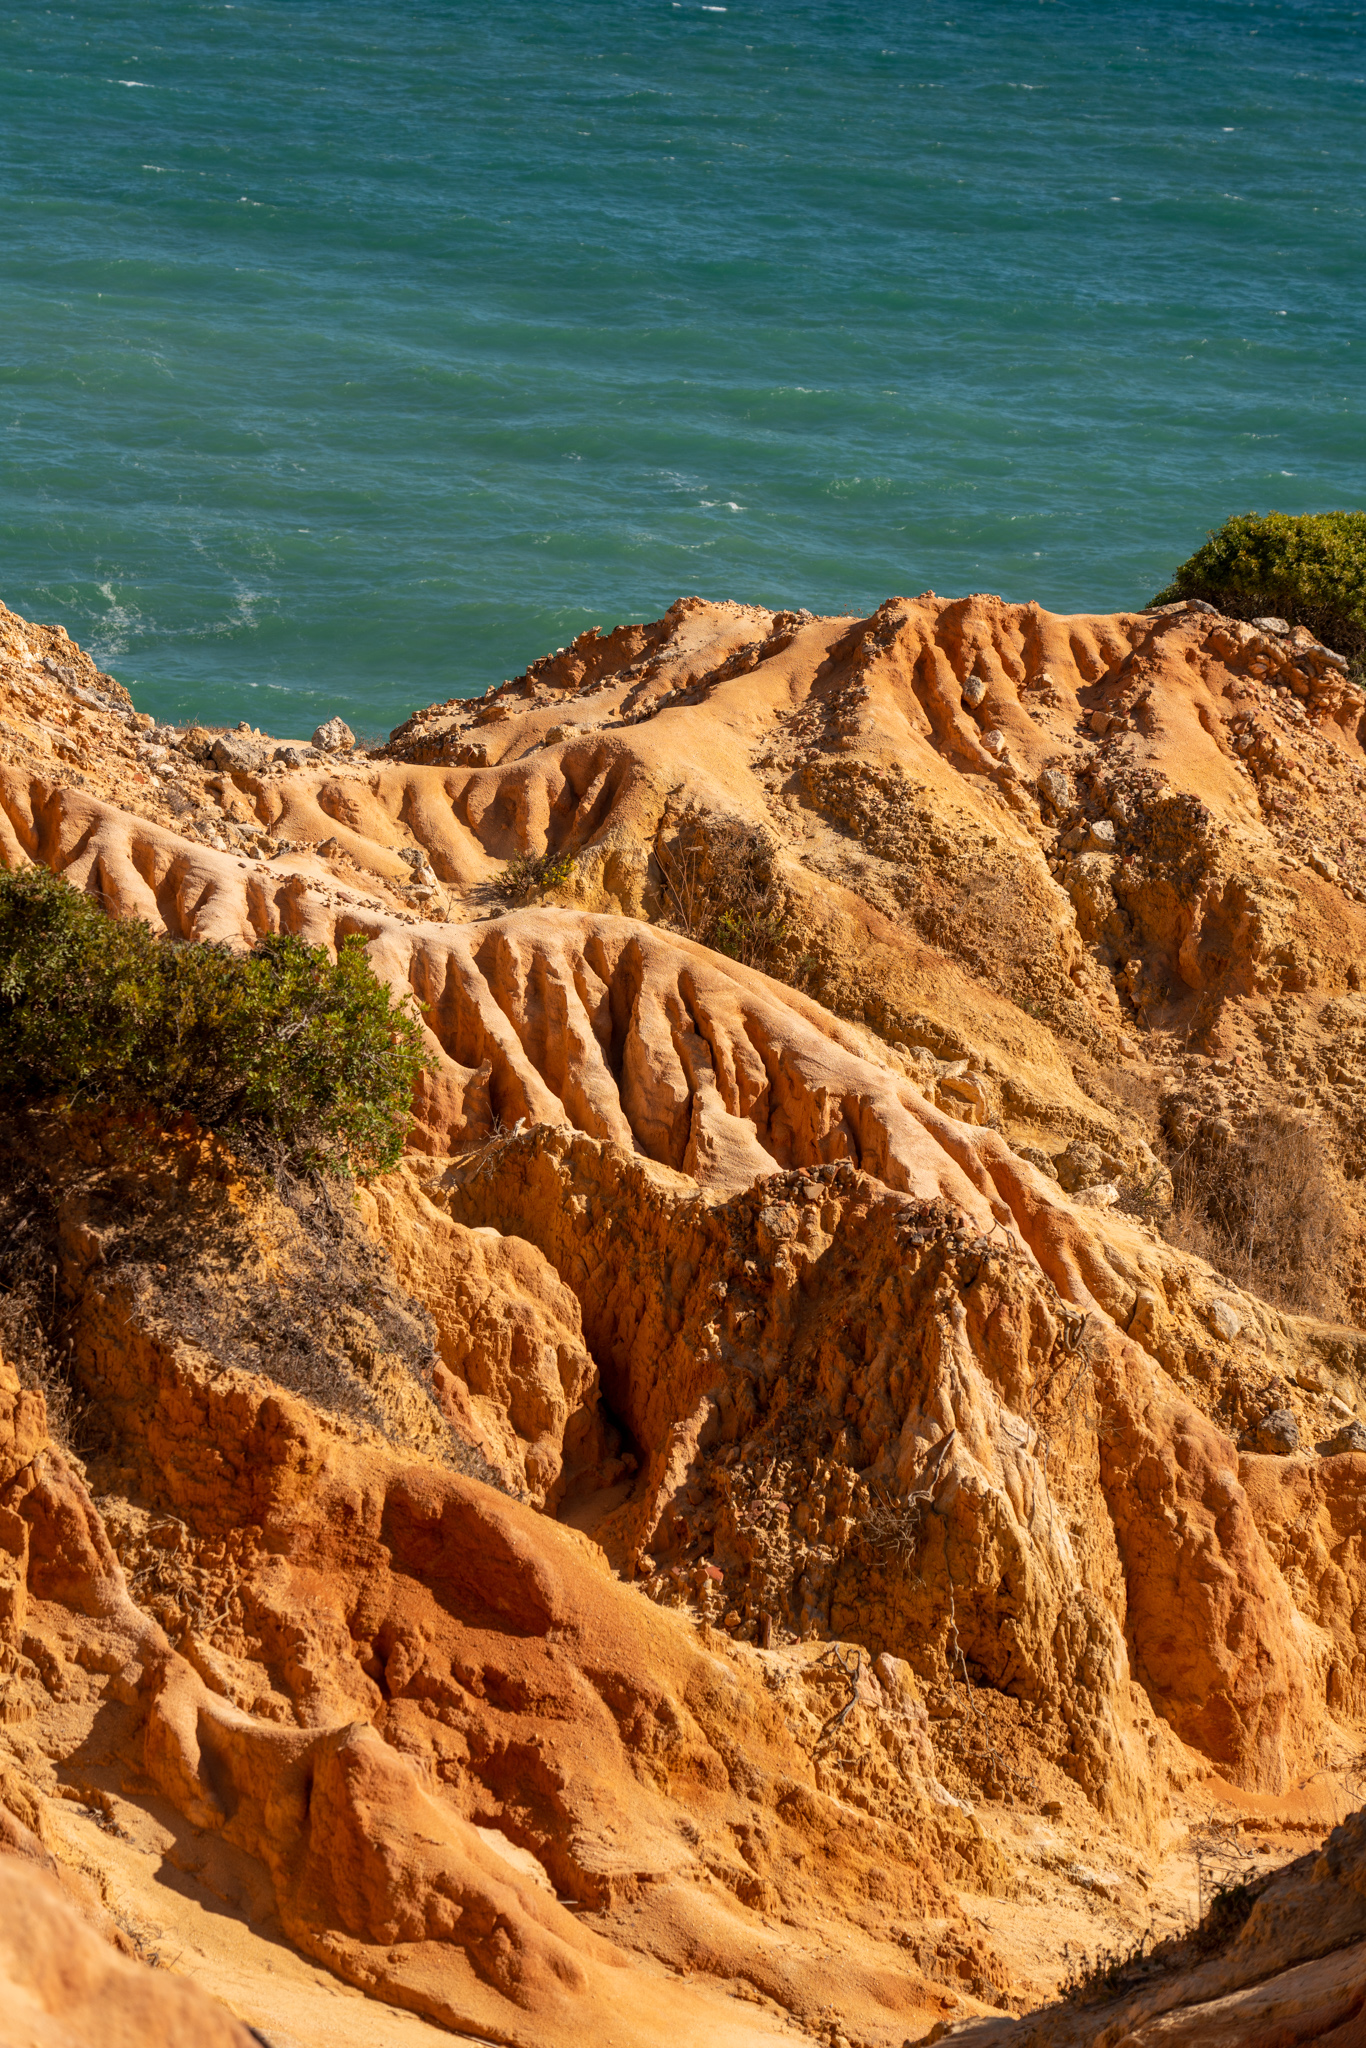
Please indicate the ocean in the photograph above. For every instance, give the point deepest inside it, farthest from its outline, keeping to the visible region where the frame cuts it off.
(355, 354)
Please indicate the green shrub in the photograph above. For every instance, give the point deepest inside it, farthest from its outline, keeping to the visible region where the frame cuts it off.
(298, 1062)
(1309, 570)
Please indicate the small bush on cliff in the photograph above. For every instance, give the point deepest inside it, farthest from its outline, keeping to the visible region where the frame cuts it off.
(721, 887)
(299, 1062)
(1309, 570)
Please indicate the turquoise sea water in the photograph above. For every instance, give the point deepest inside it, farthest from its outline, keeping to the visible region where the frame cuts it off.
(353, 354)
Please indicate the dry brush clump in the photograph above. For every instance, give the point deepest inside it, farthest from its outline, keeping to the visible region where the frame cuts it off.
(894, 1525)
(720, 886)
(1227, 1895)
(529, 877)
(25, 1344)
(35, 1337)
(1262, 1205)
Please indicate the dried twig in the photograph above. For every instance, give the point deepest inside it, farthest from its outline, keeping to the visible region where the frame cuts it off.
(851, 1673)
(896, 1525)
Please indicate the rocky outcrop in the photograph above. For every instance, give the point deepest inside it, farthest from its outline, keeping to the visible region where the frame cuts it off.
(431, 1717)
(514, 1371)
(1048, 1500)
(1011, 844)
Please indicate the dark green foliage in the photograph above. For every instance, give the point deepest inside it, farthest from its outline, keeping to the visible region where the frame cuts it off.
(298, 1062)
(1309, 570)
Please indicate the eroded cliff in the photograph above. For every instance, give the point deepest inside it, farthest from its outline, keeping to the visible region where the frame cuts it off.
(773, 1524)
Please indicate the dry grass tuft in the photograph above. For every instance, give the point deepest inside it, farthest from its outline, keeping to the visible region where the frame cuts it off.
(1132, 1093)
(25, 1346)
(894, 1525)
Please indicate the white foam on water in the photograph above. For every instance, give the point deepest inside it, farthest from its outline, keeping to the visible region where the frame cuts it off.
(112, 632)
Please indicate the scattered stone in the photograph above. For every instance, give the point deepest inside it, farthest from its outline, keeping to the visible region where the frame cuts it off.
(423, 885)
(1223, 1321)
(1143, 1323)
(994, 741)
(1351, 1437)
(237, 755)
(1277, 1435)
(974, 690)
(1101, 837)
(1105, 1883)
(335, 737)
(1055, 788)
(1085, 1165)
(1271, 625)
